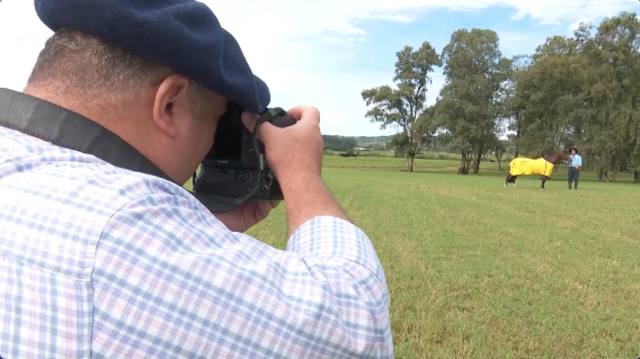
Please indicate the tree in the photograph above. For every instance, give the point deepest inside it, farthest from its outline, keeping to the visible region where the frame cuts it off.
(498, 147)
(471, 102)
(584, 91)
(612, 94)
(404, 107)
(548, 93)
(398, 144)
(339, 143)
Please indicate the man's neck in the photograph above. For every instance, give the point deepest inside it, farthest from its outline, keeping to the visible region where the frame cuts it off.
(115, 118)
(124, 118)
(62, 101)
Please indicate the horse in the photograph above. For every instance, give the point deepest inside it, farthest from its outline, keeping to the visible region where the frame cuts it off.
(542, 166)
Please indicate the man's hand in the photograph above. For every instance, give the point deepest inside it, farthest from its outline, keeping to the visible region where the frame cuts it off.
(294, 154)
(297, 148)
(246, 215)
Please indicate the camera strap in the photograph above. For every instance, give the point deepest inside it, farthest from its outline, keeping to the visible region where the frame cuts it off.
(64, 128)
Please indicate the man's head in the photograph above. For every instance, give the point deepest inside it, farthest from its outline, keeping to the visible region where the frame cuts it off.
(573, 151)
(166, 116)
(157, 73)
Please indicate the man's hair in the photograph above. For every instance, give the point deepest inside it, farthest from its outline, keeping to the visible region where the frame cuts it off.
(87, 68)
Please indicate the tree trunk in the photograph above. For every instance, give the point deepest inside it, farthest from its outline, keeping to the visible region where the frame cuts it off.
(515, 155)
(636, 176)
(476, 162)
(603, 175)
(410, 159)
(465, 163)
(499, 158)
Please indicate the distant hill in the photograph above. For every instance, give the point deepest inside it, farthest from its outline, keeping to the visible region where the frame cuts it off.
(345, 143)
(372, 141)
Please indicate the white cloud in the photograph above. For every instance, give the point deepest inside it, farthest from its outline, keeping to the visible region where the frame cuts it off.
(21, 38)
(282, 41)
(284, 50)
(313, 17)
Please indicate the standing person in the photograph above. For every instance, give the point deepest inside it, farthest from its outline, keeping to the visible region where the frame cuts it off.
(101, 261)
(575, 164)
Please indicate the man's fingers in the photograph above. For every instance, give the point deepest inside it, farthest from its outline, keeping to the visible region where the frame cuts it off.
(307, 111)
(274, 204)
(267, 206)
(262, 209)
(249, 120)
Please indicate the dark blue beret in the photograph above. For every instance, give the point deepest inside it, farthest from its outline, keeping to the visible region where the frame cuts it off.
(183, 35)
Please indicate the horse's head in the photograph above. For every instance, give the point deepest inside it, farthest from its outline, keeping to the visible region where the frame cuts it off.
(564, 156)
(556, 156)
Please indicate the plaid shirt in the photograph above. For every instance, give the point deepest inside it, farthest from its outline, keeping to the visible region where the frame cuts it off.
(100, 261)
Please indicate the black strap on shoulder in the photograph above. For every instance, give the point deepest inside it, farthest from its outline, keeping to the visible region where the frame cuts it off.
(57, 125)
(67, 129)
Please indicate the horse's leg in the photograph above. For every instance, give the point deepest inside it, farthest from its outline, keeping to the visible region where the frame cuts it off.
(544, 179)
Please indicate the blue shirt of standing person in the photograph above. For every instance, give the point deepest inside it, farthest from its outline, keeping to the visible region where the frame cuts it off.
(575, 164)
(576, 160)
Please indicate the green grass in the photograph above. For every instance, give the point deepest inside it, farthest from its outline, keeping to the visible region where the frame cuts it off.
(479, 271)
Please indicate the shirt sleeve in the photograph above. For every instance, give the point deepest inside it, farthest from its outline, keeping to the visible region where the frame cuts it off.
(170, 280)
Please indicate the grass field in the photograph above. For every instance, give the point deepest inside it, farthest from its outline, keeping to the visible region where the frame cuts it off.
(479, 271)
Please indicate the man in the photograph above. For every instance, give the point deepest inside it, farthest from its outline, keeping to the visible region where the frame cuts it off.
(101, 261)
(575, 164)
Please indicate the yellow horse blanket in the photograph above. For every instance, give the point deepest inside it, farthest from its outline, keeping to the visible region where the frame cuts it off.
(522, 166)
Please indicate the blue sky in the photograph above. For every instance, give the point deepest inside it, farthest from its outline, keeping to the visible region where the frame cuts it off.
(325, 52)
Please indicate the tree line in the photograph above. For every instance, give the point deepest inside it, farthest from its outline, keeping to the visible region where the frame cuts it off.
(339, 143)
(575, 91)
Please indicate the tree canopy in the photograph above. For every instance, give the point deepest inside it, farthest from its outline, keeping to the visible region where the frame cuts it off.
(573, 91)
(470, 103)
(404, 106)
(583, 91)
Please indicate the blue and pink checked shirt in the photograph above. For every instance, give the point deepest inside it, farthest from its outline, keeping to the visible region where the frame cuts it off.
(98, 261)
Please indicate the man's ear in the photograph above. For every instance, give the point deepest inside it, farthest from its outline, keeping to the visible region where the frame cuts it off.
(170, 104)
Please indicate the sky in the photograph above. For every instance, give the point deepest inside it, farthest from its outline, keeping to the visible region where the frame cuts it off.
(325, 52)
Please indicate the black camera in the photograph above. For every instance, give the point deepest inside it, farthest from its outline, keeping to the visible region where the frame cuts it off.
(235, 169)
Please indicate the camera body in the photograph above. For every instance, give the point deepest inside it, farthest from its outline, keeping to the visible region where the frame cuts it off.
(235, 169)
